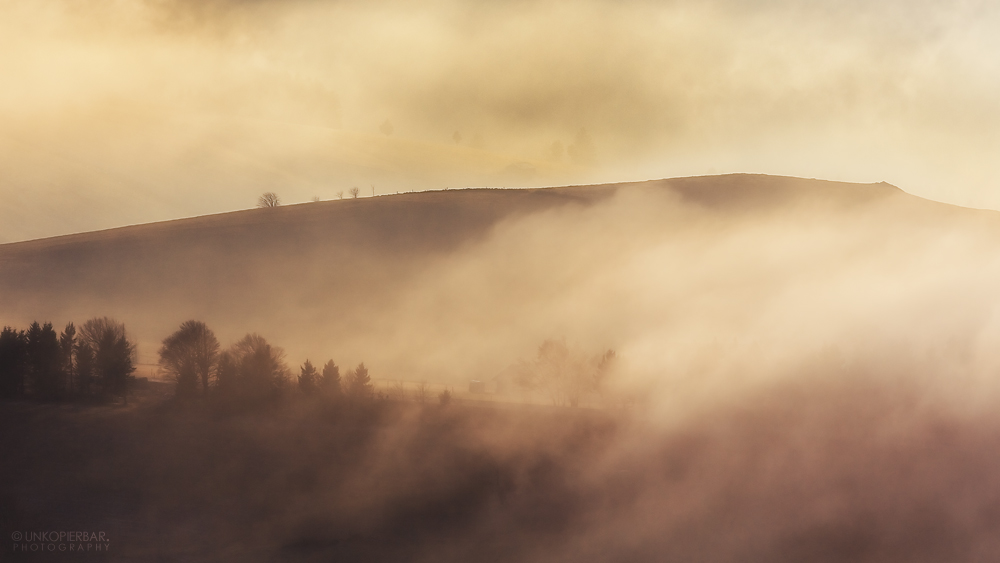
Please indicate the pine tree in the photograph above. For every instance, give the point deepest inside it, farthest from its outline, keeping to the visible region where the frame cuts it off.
(67, 349)
(45, 378)
(13, 360)
(308, 378)
(330, 382)
(360, 382)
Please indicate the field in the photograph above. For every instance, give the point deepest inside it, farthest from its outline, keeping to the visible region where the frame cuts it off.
(850, 472)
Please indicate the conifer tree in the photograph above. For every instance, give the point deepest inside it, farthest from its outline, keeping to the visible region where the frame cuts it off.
(45, 378)
(330, 381)
(308, 378)
(13, 359)
(360, 383)
(67, 349)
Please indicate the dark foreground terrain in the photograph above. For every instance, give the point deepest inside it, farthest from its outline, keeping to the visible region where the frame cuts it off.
(839, 472)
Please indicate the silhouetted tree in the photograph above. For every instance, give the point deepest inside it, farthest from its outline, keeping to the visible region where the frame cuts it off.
(359, 384)
(13, 358)
(444, 398)
(330, 381)
(114, 355)
(115, 362)
(67, 351)
(268, 199)
(227, 375)
(252, 372)
(354, 192)
(308, 378)
(45, 378)
(85, 370)
(190, 355)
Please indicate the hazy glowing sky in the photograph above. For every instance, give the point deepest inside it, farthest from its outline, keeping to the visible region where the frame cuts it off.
(124, 112)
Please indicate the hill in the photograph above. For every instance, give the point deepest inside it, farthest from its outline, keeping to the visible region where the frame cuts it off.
(807, 373)
(457, 284)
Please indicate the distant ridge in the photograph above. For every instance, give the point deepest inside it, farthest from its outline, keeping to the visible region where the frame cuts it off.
(721, 191)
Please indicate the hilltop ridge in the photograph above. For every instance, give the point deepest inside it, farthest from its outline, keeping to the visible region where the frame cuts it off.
(714, 191)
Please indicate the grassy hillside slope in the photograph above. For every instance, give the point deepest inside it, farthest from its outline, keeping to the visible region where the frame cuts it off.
(445, 285)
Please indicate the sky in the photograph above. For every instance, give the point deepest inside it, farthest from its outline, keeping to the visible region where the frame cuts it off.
(125, 112)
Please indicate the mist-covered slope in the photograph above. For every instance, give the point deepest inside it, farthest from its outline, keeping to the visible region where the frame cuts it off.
(691, 280)
(316, 268)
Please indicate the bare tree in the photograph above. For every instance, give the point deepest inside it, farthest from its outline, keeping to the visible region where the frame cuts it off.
(398, 390)
(566, 376)
(190, 355)
(340, 194)
(354, 192)
(268, 199)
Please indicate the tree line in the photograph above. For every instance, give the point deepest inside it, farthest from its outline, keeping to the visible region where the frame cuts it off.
(96, 362)
(250, 373)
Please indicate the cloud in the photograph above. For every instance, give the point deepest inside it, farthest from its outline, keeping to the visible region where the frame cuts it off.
(172, 99)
